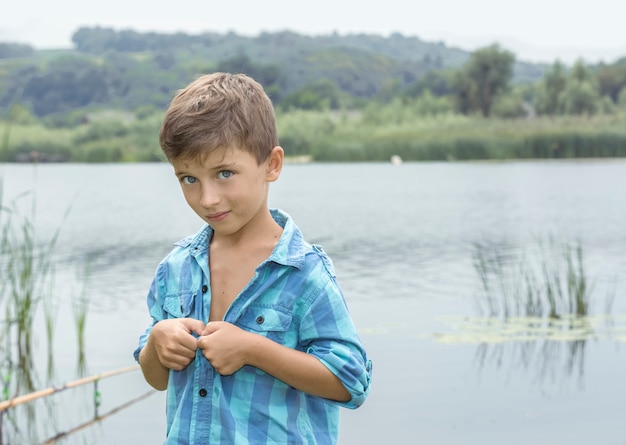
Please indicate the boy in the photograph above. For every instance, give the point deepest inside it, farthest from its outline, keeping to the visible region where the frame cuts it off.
(250, 334)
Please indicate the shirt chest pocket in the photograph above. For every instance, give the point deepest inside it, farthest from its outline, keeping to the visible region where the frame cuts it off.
(179, 305)
(267, 320)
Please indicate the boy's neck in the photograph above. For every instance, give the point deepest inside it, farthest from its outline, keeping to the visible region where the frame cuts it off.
(263, 230)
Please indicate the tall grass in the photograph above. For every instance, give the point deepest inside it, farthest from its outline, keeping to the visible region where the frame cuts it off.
(28, 300)
(454, 137)
(25, 273)
(536, 309)
(549, 281)
(80, 309)
(373, 134)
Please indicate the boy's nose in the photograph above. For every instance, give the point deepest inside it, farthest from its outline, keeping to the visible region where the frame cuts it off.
(209, 197)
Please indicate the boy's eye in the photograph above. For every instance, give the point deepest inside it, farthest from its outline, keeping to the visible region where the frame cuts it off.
(188, 180)
(225, 174)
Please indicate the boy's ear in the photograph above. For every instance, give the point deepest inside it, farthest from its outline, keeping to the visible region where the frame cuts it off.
(274, 164)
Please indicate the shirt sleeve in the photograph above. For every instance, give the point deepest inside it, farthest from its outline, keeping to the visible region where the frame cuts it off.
(156, 313)
(328, 333)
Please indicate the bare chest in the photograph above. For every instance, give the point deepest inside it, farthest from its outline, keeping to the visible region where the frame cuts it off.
(230, 274)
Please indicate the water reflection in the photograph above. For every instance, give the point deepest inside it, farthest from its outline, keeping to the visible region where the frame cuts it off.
(31, 304)
(549, 348)
(536, 309)
(25, 281)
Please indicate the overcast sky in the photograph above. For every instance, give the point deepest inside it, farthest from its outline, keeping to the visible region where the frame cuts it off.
(535, 30)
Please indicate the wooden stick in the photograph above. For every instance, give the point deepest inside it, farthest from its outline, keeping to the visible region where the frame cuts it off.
(64, 434)
(54, 389)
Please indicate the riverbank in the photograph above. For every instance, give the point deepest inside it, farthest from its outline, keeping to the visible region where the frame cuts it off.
(342, 137)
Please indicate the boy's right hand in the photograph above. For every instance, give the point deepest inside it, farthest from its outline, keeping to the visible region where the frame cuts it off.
(174, 342)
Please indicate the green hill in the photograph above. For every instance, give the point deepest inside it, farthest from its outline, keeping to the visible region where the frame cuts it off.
(127, 69)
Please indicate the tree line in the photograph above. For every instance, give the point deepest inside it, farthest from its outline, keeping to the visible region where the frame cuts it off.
(129, 70)
(116, 84)
(126, 69)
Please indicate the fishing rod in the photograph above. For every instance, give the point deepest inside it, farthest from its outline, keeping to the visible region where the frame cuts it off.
(98, 418)
(16, 401)
(4, 406)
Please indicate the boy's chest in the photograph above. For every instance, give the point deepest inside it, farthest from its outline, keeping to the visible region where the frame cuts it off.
(230, 274)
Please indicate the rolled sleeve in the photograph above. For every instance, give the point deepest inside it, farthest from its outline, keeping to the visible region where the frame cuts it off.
(355, 375)
(330, 335)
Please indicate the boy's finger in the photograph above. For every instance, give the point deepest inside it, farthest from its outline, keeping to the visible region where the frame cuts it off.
(210, 328)
(193, 325)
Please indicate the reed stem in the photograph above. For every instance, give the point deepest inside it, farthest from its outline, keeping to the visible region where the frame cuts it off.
(551, 283)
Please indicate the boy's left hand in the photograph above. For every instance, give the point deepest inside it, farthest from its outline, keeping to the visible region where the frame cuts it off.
(224, 345)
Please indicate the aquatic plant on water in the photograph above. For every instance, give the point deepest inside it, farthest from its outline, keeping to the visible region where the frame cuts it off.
(548, 282)
(30, 303)
(27, 291)
(25, 274)
(80, 306)
(535, 310)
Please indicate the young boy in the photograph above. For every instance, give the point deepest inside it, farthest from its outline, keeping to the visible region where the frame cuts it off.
(250, 335)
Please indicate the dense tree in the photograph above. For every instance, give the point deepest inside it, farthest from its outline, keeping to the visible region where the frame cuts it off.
(269, 76)
(115, 80)
(428, 104)
(579, 97)
(437, 82)
(465, 92)
(612, 79)
(320, 95)
(573, 92)
(550, 89)
(486, 74)
(581, 94)
(9, 50)
(93, 40)
(99, 40)
(127, 69)
(510, 105)
(621, 99)
(580, 72)
(266, 75)
(64, 84)
(19, 114)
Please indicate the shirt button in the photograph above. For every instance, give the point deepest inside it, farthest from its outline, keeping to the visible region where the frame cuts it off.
(202, 392)
(260, 319)
(204, 289)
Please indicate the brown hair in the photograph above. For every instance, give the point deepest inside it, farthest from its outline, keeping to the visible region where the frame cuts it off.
(219, 110)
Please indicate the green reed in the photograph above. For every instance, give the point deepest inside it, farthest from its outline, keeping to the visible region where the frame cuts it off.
(549, 282)
(25, 270)
(27, 291)
(80, 306)
(372, 134)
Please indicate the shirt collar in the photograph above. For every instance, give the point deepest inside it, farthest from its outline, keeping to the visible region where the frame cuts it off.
(291, 247)
(289, 251)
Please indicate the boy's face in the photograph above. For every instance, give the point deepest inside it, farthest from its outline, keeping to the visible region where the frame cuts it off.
(229, 189)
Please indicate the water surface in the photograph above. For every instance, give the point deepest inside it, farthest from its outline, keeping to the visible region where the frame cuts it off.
(403, 239)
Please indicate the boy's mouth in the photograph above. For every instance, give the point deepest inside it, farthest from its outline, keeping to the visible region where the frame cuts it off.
(216, 217)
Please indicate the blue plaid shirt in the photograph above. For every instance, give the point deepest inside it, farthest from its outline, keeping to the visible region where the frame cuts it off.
(295, 294)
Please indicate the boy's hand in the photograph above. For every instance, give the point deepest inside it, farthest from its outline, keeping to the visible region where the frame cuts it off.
(224, 345)
(174, 343)
(228, 348)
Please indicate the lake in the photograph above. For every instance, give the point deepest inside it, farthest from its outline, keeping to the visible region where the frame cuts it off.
(405, 241)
